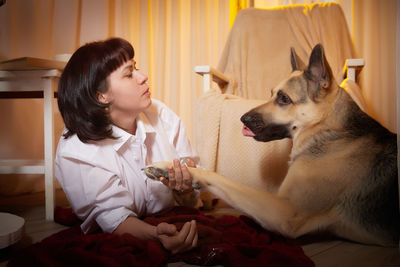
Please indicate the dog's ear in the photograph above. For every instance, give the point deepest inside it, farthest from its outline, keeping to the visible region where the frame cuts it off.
(297, 63)
(319, 72)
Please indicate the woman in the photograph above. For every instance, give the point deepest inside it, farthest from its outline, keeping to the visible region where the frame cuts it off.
(113, 130)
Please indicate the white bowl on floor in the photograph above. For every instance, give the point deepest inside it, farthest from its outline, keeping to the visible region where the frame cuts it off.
(11, 229)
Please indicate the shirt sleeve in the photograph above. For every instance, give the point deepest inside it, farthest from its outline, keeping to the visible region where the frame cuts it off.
(95, 194)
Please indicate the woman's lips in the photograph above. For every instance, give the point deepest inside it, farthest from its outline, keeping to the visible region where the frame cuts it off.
(147, 92)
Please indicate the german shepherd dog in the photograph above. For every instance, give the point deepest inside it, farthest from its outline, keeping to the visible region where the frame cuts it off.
(342, 177)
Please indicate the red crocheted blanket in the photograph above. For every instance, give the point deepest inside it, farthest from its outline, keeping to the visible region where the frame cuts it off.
(227, 241)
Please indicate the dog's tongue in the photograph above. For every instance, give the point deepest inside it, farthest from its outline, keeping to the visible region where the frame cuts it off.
(247, 132)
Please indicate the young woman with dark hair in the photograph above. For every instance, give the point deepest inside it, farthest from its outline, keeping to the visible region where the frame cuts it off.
(114, 129)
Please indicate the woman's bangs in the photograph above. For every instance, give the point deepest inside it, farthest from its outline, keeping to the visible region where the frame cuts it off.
(121, 53)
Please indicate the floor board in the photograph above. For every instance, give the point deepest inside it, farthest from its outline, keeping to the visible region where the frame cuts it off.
(350, 254)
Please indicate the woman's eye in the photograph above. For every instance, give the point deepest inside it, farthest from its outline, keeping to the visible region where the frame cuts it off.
(129, 75)
(283, 99)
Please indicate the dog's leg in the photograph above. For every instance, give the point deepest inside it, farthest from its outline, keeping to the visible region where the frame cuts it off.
(273, 212)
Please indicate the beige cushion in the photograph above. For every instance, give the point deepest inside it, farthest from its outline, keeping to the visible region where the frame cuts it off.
(243, 159)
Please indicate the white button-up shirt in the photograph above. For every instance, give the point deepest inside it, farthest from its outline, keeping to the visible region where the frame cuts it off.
(103, 180)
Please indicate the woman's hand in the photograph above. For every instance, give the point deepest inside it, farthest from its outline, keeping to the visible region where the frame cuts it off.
(179, 178)
(172, 239)
(178, 241)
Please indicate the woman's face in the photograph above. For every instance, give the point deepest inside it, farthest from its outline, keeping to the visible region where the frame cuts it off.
(127, 91)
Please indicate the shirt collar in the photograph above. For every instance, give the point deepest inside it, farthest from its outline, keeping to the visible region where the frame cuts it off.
(144, 124)
(143, 128)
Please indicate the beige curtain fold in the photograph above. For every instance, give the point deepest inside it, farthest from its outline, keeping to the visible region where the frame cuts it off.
(374, 33)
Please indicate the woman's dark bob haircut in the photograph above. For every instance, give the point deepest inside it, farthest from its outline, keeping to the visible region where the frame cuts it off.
(84, 76)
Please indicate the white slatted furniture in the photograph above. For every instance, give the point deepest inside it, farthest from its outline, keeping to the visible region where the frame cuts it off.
(34, 78)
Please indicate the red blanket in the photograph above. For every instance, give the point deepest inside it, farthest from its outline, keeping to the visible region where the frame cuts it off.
(227, 241)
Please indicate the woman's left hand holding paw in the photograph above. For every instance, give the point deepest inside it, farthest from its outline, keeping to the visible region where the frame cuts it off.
(179, 178)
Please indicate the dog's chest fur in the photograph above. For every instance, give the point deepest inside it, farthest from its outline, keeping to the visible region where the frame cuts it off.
(351, 143)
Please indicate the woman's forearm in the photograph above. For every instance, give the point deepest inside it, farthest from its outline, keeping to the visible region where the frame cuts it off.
(137, 228)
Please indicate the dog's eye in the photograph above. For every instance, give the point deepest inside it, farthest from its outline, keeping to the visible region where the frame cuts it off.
(283, 99)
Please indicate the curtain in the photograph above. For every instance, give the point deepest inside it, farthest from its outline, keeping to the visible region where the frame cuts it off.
(169, 37)
(374, 33)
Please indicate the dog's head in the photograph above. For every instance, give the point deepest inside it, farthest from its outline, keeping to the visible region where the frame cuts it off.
(296, 103)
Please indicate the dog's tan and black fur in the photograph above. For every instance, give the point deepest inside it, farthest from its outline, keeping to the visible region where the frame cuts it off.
(343, 169)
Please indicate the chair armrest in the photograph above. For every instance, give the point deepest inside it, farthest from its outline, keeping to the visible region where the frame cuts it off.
(210, 74)
(352, 67)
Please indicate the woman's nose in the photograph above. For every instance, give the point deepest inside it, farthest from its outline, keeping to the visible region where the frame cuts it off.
(140, 77)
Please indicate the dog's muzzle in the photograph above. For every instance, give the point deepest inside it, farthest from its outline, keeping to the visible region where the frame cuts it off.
(261, 131)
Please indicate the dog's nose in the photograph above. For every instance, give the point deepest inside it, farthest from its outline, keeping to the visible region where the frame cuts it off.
(248, 117)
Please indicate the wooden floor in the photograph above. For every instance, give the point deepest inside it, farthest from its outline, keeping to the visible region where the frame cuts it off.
(326, 253)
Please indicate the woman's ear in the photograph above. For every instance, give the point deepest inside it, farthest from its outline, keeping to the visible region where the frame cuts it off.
(102, 97)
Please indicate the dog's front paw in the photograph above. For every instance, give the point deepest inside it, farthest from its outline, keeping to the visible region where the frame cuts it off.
(157, 170)
(160, 169)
